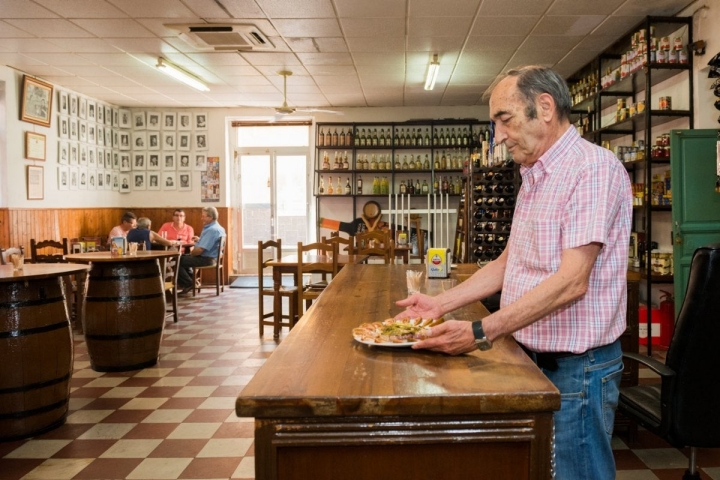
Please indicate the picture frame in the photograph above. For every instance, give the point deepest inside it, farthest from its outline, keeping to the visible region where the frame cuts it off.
(116, 161)
(108, 115)
(91, 179)
(153, 120)
(184, 121)
(74, 178)
(36, 101)
(63, 105)
(124, 186)
(201, 141)
(83, 108)
(125, 120)
(184, 141)
(73, 129)
(74, 105)
(169, 181)
(139, 180)
(63, 126)
(83, 185)
(125, 165)
(139, 140)
(184, 162)
(83, 154)
(200, 164)
(35, 146)
(115, 117)
(169, 141)
(100, 113)
(200, 122)
(139, 161)
(153, 141)
(101, 179)
(185, 181)
(74, 153)
(168, 160)
(124, 143)
(63, 178)
(90, 110)
(108, 180)
(153, 161)
(63, 153)
(153, 181)
(35, 182)
(138, 122)
(115, 181)
(82, 126)
(169, 121)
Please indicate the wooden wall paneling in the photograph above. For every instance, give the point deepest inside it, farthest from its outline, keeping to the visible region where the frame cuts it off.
(5, 228)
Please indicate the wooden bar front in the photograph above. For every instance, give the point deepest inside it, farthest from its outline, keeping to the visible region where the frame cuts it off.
(328, 407)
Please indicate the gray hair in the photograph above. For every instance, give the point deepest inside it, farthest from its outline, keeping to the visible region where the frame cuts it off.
(143, 223)
(534, 80)
(211, 212)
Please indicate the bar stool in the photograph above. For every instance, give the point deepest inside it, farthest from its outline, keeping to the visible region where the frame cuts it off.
(277, 316)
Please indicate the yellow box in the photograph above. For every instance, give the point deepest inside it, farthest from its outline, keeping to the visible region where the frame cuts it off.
(438, 263)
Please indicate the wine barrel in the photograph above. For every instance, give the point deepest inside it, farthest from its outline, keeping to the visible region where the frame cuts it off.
(124, 315)
(36, 358)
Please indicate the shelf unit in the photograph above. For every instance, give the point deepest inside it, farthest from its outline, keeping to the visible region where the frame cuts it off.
(384, 150)
(641, 85)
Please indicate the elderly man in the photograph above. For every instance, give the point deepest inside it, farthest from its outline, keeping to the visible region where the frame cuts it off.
(128, 222)
(563, 273)
(206, 250)
(178, 229)
(143, 234)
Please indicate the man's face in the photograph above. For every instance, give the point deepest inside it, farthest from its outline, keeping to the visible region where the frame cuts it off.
(127, 226)
(179, 217)
(523, 136)
(205, 218)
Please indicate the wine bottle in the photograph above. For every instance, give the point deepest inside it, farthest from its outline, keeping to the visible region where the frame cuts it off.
(321, 189)
(359, 185)
(348, 188)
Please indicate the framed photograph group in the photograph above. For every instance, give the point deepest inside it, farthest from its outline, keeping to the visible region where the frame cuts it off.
(36, 102)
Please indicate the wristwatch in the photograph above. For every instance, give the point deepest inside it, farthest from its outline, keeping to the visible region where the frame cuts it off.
(481, 341)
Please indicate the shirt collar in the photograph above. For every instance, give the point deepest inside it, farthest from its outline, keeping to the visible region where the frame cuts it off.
(549, 160)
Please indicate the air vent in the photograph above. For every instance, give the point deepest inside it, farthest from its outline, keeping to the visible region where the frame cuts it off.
(224, 37)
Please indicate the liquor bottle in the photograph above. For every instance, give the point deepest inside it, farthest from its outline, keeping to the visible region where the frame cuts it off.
(330, 189)
(326, 161)
(348, 188)
(376, 186)
(321, 189)
(341, 138)
(363, 138)
(381, 139)
(417, 187)
(425, 187)
(413, 138)
(410, 187)
(373, 163)
(338, 187)
(426, 140)
(426, 163)
(357, 140)
(348, 137)
(359, 185)
(411, 163)
(345, 164)
(397, 163)
(436, 185)
(405, 165)
(436, 139)
(466, 137)
(375, 138)
(384, 186)
(445, 185)
(443, 161)
(397, 138)
(453, 137)
(334, 139)
(403, 187)
(321, 138)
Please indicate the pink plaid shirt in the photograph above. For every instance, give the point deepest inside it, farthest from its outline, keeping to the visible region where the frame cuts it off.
(575, 194)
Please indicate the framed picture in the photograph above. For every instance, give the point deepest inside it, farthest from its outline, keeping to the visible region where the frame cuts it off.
(63, 178)
(139, 140)
(153, 161)
(169, 121)
(200, 162)
(153, 181)
(74, 153)
(83, 108)
(184, 121)
(91, 110)
(100, 114)
(169, 142)
(91, 179)
(73, 129)
(201, 141)
(169, 181)
(108, 180)
(63, 127)
(124, 185)
(138, 120)
(83, 178)
(125, 162)
(91, 157)
(36, 105)
(116, 161)
(115, 117)
(169, 161)
(153, 141)
(139, 161)
(74, 176)
(63, 105)
(153, 121)
(183, 141)
(74, 105)
(101, 179)
(63, 153)
(200, 121)
(125, 120)
(124, 143)
(35, 145)
(108, 159)
(184, 162)
(91, 134)
(184, 182)
(82, 125)
(139, 181)
(35, 183)
(108, 115)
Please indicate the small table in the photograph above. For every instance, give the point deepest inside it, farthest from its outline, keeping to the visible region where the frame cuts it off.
(324, 403)
(36, 349)
(123, 309)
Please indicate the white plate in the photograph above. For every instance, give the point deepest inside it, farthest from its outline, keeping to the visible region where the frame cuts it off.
(389, 344)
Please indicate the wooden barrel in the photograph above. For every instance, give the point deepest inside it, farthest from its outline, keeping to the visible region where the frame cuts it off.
(36, 357)
(124, 315)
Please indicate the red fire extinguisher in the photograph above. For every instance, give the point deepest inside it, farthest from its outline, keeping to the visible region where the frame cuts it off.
(667, 318)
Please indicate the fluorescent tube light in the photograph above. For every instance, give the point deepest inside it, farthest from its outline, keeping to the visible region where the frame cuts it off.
(432, 73)
(178, 74)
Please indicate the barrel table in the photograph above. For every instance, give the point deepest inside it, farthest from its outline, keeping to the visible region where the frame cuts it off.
(36, 350)
(123, 309)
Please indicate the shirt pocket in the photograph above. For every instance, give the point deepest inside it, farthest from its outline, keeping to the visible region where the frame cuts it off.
(544, 245)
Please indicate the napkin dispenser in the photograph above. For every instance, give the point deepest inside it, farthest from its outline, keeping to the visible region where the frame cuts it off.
(438, 262)
(119, 245)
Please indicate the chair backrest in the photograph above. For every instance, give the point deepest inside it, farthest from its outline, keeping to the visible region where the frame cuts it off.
(56, 255)
(693, 356)
(171, 269)
(325, 250)
(275, 247)
(345, 245)
(376, 244)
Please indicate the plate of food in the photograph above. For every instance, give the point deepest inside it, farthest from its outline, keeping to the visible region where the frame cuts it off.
(395, 332)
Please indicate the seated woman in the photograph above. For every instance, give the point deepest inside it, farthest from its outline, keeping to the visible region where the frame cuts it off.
(143, 234)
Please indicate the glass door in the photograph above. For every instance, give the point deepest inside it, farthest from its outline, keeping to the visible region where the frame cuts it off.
(273, 194)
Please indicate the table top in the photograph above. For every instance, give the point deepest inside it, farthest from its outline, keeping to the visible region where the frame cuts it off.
(106, 257)
(292, 260)
(320, 370)
(39, 271)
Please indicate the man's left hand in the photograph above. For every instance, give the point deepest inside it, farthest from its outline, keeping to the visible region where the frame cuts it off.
(452, 337)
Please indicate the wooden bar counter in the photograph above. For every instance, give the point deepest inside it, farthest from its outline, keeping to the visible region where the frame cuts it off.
(328, 407)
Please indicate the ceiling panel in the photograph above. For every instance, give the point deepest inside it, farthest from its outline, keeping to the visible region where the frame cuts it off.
(571, 25)
(82, 8)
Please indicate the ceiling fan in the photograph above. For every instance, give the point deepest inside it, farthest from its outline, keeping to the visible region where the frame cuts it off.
(287, 110)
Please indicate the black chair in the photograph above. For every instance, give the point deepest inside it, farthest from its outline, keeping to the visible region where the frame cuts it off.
(682, 409)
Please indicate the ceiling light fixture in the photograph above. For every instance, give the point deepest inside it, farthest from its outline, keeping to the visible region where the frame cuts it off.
(178, 74)
(432, 73)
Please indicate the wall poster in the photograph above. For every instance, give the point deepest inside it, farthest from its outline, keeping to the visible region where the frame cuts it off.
(210, 181)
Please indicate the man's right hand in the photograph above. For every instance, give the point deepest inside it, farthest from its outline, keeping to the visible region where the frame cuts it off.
(419, 305)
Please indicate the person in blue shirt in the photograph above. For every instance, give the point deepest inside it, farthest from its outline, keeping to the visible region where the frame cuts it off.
(206, 249)
(143, 234)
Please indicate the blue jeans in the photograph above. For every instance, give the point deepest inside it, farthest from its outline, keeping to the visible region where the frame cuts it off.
(589, 388)
(185, 275)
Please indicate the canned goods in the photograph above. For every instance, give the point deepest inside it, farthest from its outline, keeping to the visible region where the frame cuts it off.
(640, 108)
(665, 43)
(678, 43)
(682, 56)
(673, 56)
(641, 35)
(665, 103)
(661, 56)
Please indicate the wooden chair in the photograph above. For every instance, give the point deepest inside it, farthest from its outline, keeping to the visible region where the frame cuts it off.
(284, 292)
(171, 273)
(345, 245)
(375, 244)
(55, 256)
(9, 251)
(307, 293)
(219, 270)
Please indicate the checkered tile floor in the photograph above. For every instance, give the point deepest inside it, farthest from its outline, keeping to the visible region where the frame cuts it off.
(176, 420)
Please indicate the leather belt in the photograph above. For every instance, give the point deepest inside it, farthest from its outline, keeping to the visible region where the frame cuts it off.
(548, 360)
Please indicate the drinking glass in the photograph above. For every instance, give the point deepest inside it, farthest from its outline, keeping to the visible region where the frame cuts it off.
(18, 260)
(132, 248)
(414, 281)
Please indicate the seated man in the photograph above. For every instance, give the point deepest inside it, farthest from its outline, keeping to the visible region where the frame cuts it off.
(206, 250)
(178, 229)
(128, 222)
(143, 234)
